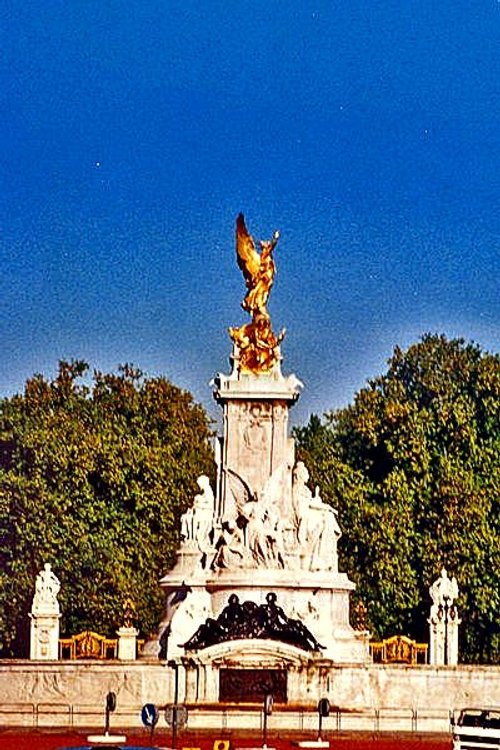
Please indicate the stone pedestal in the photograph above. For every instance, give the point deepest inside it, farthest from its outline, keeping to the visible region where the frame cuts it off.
(127, 643)
(44, 636)
(269, 534)
(443, 643)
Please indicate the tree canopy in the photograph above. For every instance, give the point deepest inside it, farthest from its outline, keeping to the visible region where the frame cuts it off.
(93, 479)
(413, 466)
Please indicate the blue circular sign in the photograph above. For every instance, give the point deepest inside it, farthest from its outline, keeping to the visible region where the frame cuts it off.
(149, 715)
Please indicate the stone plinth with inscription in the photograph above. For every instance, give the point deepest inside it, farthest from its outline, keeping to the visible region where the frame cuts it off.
(257, 569)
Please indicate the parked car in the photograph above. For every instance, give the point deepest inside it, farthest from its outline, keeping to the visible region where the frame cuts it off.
(476, 729)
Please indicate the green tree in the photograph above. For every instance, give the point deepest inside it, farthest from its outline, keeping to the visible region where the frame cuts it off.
(93, 479)
(413, 466)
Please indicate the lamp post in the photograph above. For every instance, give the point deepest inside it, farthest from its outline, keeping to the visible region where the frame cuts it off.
(443, 614)
(268, 709)
(174, 665)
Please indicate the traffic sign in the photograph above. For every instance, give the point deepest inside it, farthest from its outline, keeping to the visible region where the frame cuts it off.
(149, 715)
(176, 715)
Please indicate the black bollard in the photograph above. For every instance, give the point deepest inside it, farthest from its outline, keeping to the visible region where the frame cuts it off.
(110, 707)
(268, 709)
(323, 710)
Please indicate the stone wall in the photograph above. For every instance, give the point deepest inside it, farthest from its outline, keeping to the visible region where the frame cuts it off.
(418, 687)
(73, 694)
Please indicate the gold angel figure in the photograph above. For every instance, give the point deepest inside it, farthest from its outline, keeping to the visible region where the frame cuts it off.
(258, 270)
(256, 342)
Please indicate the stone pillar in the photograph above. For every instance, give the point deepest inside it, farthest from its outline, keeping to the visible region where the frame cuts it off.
(443, 621)
(255, 452)
(127, 643)
(436, 642)
(45, 616)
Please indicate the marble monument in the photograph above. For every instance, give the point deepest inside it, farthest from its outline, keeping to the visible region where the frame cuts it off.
(257, 582)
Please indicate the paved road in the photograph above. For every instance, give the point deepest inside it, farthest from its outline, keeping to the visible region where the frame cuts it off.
(51, 740)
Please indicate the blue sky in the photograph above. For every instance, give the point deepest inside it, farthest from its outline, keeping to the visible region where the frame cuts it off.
(134, 132)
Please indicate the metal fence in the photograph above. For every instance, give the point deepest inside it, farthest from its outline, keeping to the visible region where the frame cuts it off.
(68, 716)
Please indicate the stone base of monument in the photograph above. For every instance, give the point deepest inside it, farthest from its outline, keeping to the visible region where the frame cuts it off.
(308, 633)
(320, 600)
(106, 739)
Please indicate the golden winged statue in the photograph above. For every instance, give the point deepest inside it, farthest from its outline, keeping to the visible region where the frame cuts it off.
(256, 342)
(258, 270)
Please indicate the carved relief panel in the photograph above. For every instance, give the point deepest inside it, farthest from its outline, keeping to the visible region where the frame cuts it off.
(252, 685)
(256, 440)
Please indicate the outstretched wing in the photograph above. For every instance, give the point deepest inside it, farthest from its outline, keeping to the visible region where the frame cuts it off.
(247, 256)
(240, 490)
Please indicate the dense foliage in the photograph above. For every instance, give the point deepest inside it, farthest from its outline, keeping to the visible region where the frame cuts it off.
(413, 466)
(93, 480)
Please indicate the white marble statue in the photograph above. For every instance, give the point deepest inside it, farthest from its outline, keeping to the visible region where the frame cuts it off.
(47, 587)
(444, 590)
(45, 616)
(197, 521)
(232, 552)
(253, 529)
(443, 620)
(264, 535)
(318, 530)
